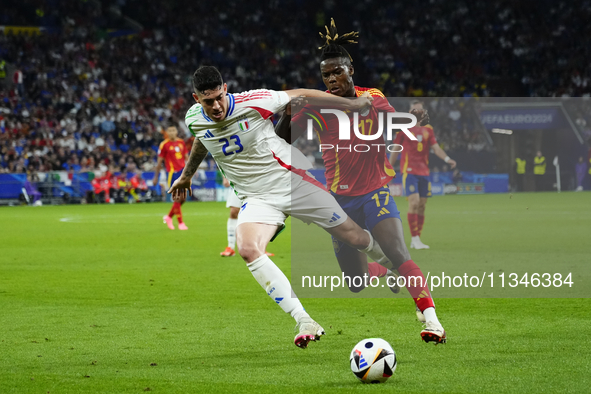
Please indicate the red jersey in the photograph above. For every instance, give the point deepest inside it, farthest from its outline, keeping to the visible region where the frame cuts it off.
(138, 183)
(173, 154)
(414, 158)
(102, 184)
(350, 172)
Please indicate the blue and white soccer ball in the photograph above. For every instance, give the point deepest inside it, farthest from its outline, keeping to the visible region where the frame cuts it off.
(373, 360)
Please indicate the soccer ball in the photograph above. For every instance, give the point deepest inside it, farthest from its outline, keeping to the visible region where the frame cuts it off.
(373, 360)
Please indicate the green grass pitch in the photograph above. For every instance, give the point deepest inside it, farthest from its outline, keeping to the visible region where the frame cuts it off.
(106, 299)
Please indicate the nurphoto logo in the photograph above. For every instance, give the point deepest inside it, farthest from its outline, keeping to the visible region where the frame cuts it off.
(344, 122)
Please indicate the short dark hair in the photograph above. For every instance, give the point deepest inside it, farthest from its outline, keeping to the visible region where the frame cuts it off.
(206, 78)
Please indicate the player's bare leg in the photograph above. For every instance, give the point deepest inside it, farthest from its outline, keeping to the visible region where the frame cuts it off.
(354, 263)
(360, 239)
(389, 234)
(231, 232)
(413, 222)
(252, 240)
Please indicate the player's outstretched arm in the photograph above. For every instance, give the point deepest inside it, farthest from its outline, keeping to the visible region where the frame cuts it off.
(350, 104)
(443, 156)
(180, 186)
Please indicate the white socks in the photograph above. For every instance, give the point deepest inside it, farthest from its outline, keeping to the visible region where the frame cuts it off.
(430, 315)
(231, 228)
(277, 286)
(375, 253)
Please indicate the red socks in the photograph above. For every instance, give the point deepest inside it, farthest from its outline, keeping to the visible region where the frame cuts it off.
(413, 223)
(420, 221)
(414, 279)
(179, 214)
(176, 210)
(375, 269)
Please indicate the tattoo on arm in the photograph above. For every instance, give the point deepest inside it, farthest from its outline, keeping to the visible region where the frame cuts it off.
(198, 153)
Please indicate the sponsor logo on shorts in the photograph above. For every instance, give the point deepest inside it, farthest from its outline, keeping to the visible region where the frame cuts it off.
(334, 218)
(383, 211)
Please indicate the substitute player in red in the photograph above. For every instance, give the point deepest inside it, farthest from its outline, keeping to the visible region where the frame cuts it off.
(358, 181)
(414, 164)
(173, 153)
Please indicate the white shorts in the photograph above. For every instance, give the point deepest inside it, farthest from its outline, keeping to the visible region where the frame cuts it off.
(308, 202)
(232, 199)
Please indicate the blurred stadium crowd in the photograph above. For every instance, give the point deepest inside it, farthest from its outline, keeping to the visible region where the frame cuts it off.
(96, 87)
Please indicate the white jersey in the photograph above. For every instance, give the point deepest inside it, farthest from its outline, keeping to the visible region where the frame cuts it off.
(248, 152)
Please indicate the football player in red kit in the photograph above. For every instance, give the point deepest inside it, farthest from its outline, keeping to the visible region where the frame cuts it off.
(173, 153)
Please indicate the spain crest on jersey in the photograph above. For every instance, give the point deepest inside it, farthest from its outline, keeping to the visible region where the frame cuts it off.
(243, 124)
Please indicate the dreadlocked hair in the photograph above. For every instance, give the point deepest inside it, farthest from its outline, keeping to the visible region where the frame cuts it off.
(333, 46)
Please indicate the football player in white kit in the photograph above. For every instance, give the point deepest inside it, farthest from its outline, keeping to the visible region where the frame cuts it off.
(270, 179)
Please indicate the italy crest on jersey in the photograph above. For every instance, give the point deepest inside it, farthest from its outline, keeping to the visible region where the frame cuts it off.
(243, 124)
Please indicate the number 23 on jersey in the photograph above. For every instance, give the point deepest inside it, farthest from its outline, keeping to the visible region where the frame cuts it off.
(231, 146)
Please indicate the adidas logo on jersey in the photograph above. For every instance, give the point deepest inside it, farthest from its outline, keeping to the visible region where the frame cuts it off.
(383, 211)
(334, 218)
(209, 134)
